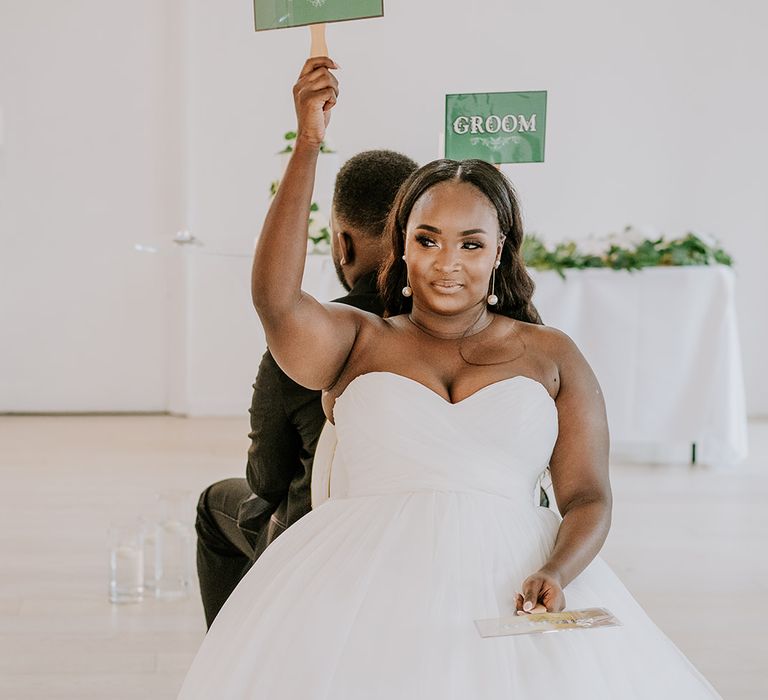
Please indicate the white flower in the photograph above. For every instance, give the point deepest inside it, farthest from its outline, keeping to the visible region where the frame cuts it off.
(593, 245)
(321, 248)
(633, 236)
(709, 239)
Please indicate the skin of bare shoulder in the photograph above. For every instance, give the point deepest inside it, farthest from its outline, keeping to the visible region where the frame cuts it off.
(551, 347)
(372, 333)
(572, 367)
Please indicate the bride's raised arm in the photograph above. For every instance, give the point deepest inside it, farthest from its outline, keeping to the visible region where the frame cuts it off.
(309, 340)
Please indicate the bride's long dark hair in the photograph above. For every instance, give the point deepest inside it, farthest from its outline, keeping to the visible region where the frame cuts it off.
(514, 286)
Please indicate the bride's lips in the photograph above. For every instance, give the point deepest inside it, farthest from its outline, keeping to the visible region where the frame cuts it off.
(447, 286)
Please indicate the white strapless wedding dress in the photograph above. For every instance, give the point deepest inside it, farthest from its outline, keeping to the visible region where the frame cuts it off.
(373, 596)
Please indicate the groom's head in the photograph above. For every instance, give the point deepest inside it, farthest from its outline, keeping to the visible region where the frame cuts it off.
(365, 189)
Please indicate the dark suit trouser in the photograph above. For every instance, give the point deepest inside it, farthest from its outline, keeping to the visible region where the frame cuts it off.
(224, 553)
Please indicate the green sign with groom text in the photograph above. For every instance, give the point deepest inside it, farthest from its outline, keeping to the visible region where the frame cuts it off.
(499, 127)
(278, 14)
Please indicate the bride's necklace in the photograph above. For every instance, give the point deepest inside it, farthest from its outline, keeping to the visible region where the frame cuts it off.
(468, 333)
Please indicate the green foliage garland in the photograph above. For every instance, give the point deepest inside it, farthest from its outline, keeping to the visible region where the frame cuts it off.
(686, 250)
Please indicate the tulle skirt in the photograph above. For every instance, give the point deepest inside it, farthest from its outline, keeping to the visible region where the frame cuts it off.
(375, 597)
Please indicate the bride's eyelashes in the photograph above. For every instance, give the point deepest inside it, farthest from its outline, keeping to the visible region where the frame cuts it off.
(427, 242)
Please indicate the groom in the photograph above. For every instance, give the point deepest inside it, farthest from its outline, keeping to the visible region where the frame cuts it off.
(238, 518)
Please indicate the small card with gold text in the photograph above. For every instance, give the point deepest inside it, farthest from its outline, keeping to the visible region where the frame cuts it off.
(588, 618)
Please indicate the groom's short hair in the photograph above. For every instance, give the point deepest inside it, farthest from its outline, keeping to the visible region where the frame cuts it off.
(366, 187)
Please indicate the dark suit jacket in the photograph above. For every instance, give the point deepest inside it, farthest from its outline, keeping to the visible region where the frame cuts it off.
(286, 421)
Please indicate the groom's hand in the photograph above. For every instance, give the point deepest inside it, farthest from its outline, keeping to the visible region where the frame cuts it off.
(541, 593)
(314, 96)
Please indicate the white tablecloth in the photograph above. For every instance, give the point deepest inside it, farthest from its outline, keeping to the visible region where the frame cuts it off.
(663, 343)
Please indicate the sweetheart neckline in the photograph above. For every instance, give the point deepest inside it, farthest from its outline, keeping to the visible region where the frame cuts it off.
(410, 380)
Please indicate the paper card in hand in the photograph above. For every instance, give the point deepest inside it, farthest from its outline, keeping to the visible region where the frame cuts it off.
(499, 127)
(589, 618)
(278, 14)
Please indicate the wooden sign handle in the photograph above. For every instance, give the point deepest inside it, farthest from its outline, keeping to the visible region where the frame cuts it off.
(318, 46)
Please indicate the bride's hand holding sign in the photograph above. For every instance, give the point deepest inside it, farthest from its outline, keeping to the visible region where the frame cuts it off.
(314, 96)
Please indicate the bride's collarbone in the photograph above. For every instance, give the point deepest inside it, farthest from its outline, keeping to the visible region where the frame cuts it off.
(453, 369)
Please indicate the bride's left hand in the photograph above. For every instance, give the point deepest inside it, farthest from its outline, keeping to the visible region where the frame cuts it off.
(541, 593)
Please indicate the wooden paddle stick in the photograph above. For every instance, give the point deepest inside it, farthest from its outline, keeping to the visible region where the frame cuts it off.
(318, 46)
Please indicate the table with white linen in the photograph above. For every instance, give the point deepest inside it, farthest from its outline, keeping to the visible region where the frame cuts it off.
(664, 345)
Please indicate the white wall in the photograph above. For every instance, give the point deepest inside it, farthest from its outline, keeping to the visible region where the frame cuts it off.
(91, 163)
(656, 117)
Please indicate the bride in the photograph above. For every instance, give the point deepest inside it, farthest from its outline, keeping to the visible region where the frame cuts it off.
(446, 412)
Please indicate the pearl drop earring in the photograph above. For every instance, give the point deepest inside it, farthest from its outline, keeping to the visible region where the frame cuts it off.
(406, 291)
(492, 298)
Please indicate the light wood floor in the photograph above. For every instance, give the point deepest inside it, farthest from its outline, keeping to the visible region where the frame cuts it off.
(686, 541)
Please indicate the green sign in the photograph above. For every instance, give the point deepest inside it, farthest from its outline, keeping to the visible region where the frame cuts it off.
(278, 14)
(500, 127)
